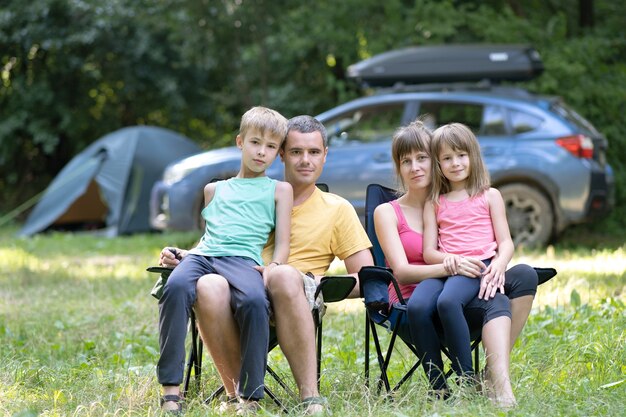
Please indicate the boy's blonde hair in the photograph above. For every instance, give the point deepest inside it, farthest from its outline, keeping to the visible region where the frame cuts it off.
(414, 137)
(457, 137)
(264, 119)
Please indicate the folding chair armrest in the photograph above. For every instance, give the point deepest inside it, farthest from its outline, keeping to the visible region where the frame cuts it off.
(164, 274)
(160, 270)
(335, 287)
(374, 282)
(544, 274)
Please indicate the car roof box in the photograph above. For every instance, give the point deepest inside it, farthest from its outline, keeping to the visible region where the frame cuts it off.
(448, 64)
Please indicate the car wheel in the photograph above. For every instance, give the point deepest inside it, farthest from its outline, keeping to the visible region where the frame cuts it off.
(529, 214)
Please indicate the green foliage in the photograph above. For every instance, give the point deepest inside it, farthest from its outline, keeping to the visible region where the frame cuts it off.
(71, 71)
(78, 331)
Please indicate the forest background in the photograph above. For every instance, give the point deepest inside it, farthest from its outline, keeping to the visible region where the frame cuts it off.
(73, 70)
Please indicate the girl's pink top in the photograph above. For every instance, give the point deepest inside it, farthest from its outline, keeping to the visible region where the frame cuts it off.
(465, 227)
(412, 244)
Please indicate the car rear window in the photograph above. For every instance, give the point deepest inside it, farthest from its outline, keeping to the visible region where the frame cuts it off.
(522, 122)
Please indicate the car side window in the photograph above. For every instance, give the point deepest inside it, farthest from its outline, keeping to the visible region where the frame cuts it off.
(523, 122)
(366, 124)
(493, 122)
(439, 113)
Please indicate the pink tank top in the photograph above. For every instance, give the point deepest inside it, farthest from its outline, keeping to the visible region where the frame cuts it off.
(412, 244)
(465, 227)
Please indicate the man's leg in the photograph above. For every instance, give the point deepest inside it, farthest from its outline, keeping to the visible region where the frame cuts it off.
(218, 329)
(294, 327)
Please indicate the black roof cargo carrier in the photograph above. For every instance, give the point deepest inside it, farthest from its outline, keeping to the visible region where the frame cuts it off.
(448, 64)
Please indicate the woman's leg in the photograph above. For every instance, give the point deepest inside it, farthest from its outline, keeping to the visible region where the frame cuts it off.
(496, 342)
(457, 292)
(422, 313)
(520, 286)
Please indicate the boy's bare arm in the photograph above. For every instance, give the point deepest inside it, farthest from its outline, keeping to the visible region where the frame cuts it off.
(284, 204)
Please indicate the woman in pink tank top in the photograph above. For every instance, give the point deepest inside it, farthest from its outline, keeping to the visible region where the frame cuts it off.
(399, 227)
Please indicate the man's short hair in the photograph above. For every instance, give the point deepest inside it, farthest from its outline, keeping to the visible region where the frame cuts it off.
(307, 124)
(264, 119)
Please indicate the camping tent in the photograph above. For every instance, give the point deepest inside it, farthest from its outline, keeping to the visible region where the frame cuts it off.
(110, 181)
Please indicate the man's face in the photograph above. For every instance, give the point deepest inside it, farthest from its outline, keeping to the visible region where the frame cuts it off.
(304, 156)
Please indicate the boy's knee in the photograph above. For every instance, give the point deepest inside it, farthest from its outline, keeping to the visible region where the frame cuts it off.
(211, 288)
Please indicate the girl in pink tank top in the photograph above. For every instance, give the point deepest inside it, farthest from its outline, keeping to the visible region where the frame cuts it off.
(463, 217)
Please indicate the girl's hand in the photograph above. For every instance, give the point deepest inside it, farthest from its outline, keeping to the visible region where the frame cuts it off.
(492, 281)
(451, 264)
(471, 267)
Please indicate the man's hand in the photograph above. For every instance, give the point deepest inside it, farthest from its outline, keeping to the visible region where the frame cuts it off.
(170, 256)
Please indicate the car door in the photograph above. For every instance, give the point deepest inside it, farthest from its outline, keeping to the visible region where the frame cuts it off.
(359, 149)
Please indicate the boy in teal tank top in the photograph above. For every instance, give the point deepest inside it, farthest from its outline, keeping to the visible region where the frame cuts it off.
(240, 213)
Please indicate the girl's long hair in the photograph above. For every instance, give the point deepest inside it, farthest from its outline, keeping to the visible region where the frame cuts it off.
(457, 137)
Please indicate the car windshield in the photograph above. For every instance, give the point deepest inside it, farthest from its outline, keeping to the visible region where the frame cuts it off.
(571, 116)
(366, 124)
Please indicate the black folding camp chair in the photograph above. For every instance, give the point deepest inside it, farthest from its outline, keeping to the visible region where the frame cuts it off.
(374, 282)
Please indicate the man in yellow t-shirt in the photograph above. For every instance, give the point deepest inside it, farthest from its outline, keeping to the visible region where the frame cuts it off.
(324, 226)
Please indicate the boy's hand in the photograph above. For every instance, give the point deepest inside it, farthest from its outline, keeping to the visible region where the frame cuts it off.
(265, 270)
(170, 256)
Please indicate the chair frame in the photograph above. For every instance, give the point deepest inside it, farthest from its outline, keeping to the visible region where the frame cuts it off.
(385, 195)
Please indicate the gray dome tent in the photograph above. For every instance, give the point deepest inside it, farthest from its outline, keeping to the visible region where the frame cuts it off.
(110, 181)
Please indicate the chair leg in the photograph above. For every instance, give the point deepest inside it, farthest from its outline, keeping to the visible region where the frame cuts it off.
(194, 363)
(318, 332)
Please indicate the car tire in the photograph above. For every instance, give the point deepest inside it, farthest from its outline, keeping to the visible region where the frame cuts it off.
(529, 214)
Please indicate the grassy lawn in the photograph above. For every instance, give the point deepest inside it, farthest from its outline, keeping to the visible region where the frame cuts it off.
(78, 336)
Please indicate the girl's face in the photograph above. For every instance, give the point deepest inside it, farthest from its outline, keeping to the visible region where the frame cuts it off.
(415, 170)
(455, 164)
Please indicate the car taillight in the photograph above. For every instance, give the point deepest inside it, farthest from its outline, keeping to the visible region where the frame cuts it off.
(578, 145)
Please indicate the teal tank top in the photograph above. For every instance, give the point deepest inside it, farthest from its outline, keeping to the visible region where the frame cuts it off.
(239, 218)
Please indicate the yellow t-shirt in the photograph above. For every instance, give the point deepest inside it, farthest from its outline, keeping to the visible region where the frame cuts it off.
(325, 226)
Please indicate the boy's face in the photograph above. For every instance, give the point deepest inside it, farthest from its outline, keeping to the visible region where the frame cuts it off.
(304, 156)
(258, 151)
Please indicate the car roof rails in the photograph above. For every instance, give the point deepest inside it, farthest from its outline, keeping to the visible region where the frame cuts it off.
(481, 86)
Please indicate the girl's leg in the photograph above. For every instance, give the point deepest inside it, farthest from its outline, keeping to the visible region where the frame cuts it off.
(422, 313)
(457, 292)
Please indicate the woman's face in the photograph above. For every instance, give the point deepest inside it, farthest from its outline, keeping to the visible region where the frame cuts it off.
(415, 170)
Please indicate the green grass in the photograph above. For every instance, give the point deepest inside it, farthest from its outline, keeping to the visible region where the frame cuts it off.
(78, 336)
